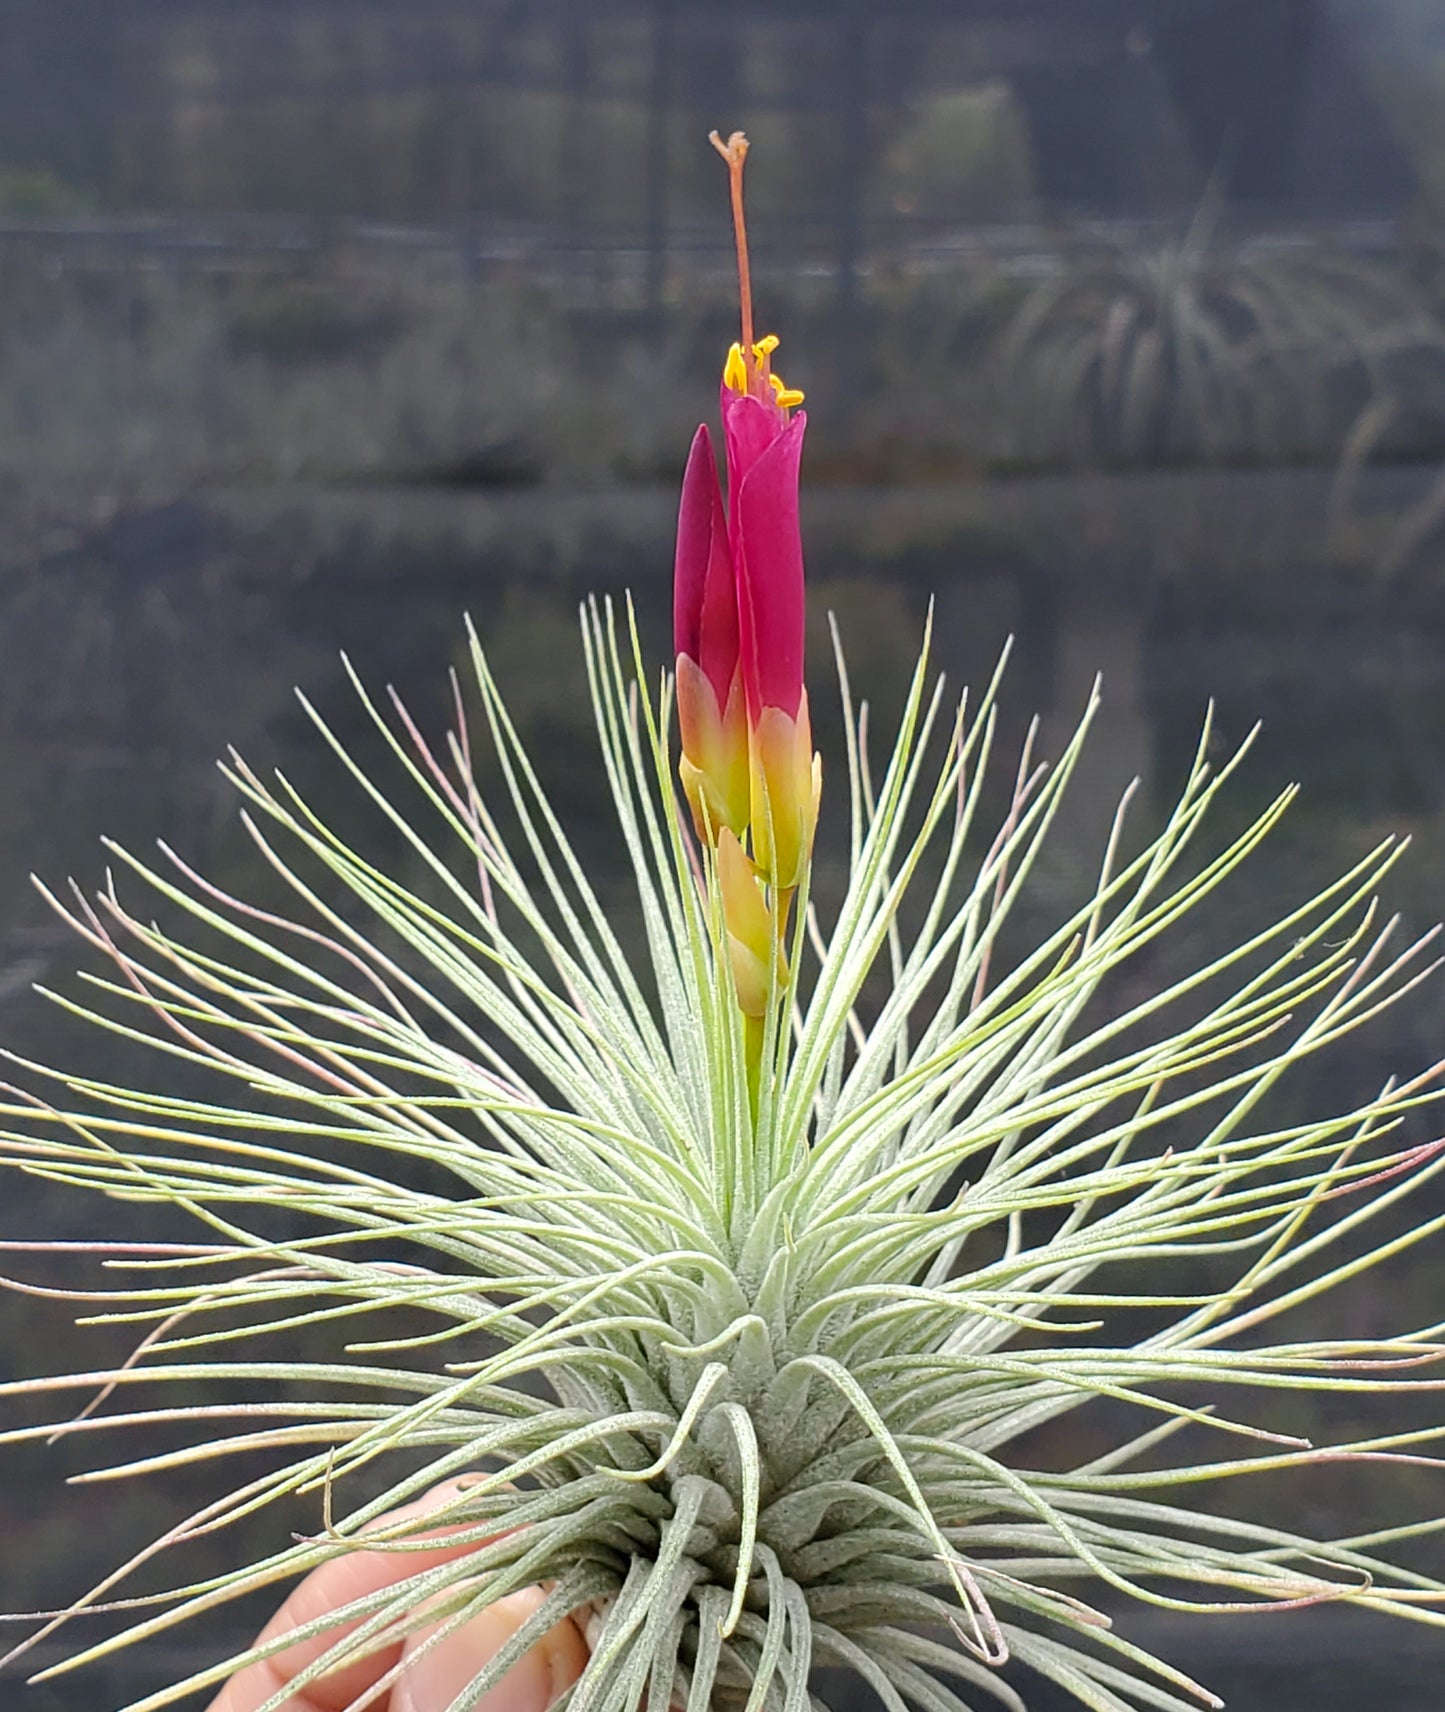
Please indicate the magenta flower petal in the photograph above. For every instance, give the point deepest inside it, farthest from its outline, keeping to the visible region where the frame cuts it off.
(750, 425)
(768, 559)
(704, 610)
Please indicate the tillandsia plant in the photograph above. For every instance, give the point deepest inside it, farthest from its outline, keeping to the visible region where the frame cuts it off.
(740, 1281)
(1189, 350)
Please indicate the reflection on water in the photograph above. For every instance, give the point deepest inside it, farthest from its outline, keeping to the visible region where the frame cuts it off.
(129, 662)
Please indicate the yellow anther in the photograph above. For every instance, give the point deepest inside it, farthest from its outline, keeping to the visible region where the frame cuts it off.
(735, 370)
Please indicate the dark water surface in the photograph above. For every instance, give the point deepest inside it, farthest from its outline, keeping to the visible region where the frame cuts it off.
(133, 655)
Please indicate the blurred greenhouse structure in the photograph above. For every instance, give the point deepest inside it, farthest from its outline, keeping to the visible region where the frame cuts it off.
(1026, 232)
(580, 117)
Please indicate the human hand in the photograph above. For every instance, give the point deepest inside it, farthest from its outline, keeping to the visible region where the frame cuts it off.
(433, 1679)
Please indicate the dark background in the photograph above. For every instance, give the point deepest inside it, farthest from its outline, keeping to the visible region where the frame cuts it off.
(1122, 324)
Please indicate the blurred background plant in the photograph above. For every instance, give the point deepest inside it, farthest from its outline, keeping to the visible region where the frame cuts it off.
(30, 192)
(1186, 351)
(146, 386)
(1192, 350)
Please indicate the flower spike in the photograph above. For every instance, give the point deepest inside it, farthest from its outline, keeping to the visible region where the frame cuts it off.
(761, 558)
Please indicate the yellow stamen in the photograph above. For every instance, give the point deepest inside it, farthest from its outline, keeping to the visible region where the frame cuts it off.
(735, 373)
(735, 370)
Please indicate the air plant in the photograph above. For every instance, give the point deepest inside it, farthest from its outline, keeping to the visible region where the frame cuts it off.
(1193, 349)
(740, 1276)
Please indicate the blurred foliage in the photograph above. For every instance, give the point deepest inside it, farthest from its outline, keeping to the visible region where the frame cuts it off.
(302, 324)
(139, 387)
(961, 154)
(1402, 50)
(34, 193)
(136, 383)
(1193, 351)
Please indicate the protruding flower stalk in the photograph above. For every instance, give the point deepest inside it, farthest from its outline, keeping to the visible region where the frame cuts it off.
(748, 768)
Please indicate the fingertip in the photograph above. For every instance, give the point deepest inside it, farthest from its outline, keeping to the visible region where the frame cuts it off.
(433, 1678)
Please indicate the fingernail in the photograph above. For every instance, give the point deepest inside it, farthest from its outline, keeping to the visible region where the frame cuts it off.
(434, 1678)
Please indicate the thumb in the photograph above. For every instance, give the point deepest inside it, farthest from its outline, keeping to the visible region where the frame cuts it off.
(431, 1680)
